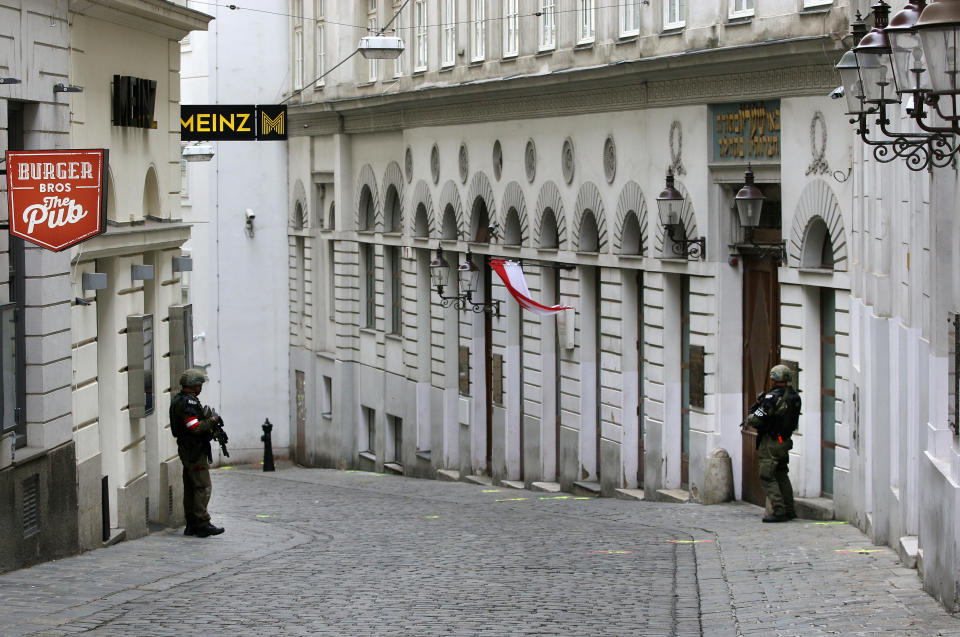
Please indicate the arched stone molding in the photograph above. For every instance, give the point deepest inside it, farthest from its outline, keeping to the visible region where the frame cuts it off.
(299, 213)
(688, 219)
(630, 204)
(513, 200)
(151, 204)
(550, 198)
(480, 189)
(366, 179)
(589, 199)
(393, 178)
(817, 200)
(421, 197)
(450, 199)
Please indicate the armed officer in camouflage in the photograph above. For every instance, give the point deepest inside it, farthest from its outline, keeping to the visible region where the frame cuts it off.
(194, 426)
(775, 415)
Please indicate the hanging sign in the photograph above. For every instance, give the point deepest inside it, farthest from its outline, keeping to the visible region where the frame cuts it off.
(219, 122)
(56, 197)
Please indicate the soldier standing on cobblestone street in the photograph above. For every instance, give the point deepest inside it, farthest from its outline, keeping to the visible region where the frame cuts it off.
(775, 415)
(194, 426)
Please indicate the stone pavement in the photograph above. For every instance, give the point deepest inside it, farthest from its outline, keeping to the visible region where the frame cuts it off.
(324, 552)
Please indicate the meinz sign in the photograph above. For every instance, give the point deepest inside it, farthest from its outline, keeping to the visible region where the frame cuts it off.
(56, 197)
(233, 123)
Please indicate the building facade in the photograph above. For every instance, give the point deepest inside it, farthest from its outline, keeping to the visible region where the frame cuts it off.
(38, 494)
(237, 203)
(543, 133)
(127, 317)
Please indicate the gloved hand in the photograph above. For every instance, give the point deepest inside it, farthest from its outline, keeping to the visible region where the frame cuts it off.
(207, 412)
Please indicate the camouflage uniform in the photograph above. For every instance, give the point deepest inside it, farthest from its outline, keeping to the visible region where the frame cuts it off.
(775, 420)
(194, 428)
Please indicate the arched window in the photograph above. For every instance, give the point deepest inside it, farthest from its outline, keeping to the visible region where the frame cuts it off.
(394, 223)
(449, 228)
(632, 242)
(421, 227)
(366, 220)
(480, 221)
(548, 230)
(512, 233)
(817, 246)
(589, 235)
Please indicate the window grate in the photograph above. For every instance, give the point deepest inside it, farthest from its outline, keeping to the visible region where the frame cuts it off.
(170, 502)
(31, 505)
(146, 511)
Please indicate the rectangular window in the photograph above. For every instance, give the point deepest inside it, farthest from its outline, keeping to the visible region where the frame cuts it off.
(369, 430)
(327, 397)
(371, 6)
(332, 282)
(630, 17)
(586, 31)
(420, 36)
(511, 26)
(674, 14)
(398, 26)
(321, 54)
(741, 8)
(394, 440)
(396, 289)
(809, 4)
(479, 30)
(369, 273)
(547, 24)
(449, 52)
(298, 58)
(372, 30)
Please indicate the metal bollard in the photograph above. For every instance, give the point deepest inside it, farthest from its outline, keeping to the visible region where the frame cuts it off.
(267, 446)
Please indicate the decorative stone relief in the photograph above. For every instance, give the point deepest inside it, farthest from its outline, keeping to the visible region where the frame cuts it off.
(818, 164)
(435, 164)
(530, 160)
(610, 159)
(567, 163)
(408, 164)
(676, 148)
(497, 160)
(464, 163)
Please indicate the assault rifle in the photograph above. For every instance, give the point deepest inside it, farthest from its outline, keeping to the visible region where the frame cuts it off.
(761, 408)
(220, 435)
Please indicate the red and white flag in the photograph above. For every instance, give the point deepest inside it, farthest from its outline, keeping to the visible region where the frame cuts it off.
(512, 275)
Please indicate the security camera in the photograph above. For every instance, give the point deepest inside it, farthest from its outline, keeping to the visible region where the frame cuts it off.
(249, 214)
(836, 93)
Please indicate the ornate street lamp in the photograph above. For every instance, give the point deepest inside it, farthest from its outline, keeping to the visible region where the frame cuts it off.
(468, 275)
(915, 54)
(749, 200)
(670, 205)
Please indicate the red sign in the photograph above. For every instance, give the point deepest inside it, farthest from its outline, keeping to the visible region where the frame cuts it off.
(56, 197)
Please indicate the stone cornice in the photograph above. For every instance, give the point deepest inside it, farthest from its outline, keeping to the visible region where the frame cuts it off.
(136, 239)
(160, 17)
(780, 69)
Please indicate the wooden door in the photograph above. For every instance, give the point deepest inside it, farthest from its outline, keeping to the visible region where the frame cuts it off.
(488, 364)
(761, 351)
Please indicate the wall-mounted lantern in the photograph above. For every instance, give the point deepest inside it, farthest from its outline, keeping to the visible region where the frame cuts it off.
(670, 206)
(749, 200)
(468, 275)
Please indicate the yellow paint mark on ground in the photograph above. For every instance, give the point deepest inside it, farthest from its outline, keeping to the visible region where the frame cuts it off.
(491, 490)
(609, 552)
(264, 516)
(428, 517)
(511, 499)
(833, 523)
(223, 468)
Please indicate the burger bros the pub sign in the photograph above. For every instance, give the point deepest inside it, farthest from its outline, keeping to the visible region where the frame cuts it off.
(56, 197)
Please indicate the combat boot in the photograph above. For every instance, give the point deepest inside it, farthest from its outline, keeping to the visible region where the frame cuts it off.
(773, 517)
(189, 530)
(208, 530)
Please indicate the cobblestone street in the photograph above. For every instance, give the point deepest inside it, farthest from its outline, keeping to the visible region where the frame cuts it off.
(311, 551)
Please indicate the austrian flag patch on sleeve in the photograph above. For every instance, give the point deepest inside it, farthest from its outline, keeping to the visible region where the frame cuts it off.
(193, 422)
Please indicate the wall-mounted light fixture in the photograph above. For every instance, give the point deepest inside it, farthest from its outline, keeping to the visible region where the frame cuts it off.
(9, 80)
(749, 200)
(66, 88)
(141, 272)
(380, 47)
(670, 205)
(94, 281)
(468, 278)
(914, 54)
(196, 151)
(182, 264)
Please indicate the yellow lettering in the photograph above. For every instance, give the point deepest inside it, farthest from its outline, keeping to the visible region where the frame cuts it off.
(187, 123)
(203, 123)
(224, 122)
(243, 122)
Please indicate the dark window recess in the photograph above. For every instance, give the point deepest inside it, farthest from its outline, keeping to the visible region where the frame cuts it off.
(31, 505)
(464, 370)
(697, 377)
(170, 501)
(497, 381)
(134, 101)
(146, 510)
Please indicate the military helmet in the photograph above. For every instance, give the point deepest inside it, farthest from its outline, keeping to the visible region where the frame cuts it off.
(192, 377)
(780, 374)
